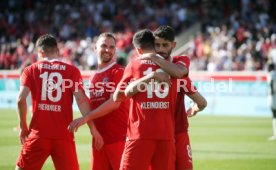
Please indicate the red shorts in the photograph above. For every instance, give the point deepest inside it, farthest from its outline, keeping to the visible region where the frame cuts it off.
(183, 152)
(35, 151)
(140, 154)
(108, 157)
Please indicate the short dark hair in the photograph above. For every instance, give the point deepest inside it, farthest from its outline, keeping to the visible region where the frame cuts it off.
(107, 34)
(166, 32)
(143, 39)
(47, 43)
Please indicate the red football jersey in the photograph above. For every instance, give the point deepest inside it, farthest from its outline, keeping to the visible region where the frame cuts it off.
(181, 60)
(181, 120)
(102, 84)
(151, 111)
(52, 84)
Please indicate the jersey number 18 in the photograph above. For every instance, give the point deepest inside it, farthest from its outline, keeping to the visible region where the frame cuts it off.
(49, 85)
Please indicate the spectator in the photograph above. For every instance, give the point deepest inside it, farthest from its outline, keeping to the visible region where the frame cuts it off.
(236, 35)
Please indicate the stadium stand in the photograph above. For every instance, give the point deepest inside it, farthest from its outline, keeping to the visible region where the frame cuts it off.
(235, 35)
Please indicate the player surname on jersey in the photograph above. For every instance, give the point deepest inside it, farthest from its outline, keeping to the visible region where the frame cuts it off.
(147, 62)
(49, 107)
(52, 67)
(155, 105)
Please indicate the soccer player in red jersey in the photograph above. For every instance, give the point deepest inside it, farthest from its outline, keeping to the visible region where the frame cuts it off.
(178, 67)
(150, 132)
(111, 117)
(52, 84)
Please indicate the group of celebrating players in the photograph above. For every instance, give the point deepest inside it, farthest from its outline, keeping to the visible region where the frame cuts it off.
(141, 124)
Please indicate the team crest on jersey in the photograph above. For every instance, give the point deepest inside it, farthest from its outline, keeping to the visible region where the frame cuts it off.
(105, 80)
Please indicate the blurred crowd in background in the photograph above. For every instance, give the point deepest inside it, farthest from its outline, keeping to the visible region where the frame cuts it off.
(235, 34)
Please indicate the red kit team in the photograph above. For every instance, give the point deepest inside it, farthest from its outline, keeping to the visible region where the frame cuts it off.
(136, 114)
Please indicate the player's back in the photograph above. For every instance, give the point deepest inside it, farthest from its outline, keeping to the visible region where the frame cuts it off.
(153, 109)
(52, 84)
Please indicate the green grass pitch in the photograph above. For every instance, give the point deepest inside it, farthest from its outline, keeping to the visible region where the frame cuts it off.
(218, 143)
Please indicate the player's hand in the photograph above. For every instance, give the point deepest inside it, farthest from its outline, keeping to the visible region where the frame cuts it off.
(75, 124)
(23, 135)
(192, 111)
(97, 138)
(162, 77)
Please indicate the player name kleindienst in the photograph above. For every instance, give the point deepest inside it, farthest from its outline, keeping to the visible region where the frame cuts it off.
(147, 62)
(52, 67)
(49, 107)
(155, 105)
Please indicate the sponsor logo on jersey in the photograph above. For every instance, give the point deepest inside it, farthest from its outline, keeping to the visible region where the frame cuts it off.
(96, 93)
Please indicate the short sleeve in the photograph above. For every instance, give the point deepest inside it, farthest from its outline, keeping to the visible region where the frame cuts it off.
(182, 60)
(127, 76)
(187, 86)
(77, 80)
(117, 75)
(26, 78)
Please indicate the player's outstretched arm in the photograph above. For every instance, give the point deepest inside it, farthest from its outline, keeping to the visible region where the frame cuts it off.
(199, 104)
(174, 70)
(84, 107)
(104, 109)
(75, 124)
(22, 112)
(83, 104)
(119, 95)
(140, 85)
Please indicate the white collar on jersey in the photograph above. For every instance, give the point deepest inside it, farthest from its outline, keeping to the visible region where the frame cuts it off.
(105, 68)
(52, 60)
